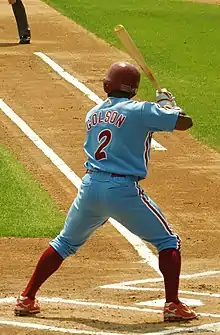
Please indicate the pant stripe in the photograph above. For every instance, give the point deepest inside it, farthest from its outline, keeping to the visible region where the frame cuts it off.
(157, 214)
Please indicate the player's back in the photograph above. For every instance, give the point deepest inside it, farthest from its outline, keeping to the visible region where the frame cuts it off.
(117, 140)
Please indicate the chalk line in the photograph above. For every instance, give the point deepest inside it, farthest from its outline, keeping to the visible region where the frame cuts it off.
(212, 327)
(157, 280)
(93, 304)
(154, 289)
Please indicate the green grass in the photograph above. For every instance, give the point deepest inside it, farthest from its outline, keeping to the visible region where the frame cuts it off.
(26, 209)
(181, 42)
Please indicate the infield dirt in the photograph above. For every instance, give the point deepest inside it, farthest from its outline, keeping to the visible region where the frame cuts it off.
(184, 181)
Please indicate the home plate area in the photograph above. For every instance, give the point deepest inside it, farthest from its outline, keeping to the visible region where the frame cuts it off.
(197, 297)
(141, 317)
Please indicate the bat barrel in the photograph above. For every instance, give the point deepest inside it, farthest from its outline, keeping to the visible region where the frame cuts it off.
(133, 51)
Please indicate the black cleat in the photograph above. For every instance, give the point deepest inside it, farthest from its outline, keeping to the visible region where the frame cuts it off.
(25, 39)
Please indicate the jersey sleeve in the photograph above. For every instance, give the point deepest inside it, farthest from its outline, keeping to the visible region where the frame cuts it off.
(157, 118)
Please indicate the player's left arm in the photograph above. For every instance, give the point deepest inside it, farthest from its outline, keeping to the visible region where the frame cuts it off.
(166, 100)
(183, 122)
(164, 115)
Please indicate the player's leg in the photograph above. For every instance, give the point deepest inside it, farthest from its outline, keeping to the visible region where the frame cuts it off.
(22, 22)
(138, 213)
(81, 221)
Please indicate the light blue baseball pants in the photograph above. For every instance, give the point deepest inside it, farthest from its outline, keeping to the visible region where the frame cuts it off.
(101, 196)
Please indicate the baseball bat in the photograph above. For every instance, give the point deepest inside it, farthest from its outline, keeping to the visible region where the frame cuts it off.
(133, 51)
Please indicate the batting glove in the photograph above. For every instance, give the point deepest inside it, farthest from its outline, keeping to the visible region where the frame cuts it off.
(165, 98)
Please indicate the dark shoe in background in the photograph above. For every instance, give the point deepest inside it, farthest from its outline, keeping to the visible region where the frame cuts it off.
(26, 39)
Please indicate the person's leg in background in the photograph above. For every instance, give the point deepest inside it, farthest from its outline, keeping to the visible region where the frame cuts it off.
(22, 22)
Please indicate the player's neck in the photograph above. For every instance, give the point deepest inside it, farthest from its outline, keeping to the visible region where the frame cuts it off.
(118, 94)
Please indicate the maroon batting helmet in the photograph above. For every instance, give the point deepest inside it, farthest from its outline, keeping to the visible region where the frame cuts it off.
(123, 77)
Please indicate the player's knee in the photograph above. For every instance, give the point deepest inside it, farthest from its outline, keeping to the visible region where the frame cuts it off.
(64, 246)
(170, 242)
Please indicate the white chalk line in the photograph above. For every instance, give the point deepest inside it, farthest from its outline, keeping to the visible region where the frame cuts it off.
(156, 280)
(159, 303)
(212, 327)
(55, 329)
(75, 82)
(56, 160)
(144, 252)
(91, 304)
(154, 289)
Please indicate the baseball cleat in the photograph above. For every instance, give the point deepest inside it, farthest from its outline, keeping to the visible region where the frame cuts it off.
(178, 312)
(26, 39)
(26, 306)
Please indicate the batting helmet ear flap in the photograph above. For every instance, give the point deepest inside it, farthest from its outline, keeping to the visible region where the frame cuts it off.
(107, 86)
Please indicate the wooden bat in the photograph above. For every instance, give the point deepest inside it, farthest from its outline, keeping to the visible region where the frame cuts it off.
(133, 51)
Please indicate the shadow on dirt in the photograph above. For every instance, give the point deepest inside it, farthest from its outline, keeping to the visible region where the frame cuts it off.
(115, 326)
(5, 45)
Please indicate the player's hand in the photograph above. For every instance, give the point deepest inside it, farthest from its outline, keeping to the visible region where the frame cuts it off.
(166, 100)
(164, 97)
(11, 2)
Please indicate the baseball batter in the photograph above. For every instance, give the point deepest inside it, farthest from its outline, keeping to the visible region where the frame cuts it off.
(21, 20)
(118, 142)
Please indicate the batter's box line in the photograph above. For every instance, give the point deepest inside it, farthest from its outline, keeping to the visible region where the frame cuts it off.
(128, 285)
(212, 327)
(160, 279)
(93, 304)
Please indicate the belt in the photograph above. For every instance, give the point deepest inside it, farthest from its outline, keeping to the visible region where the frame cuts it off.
(112, 174)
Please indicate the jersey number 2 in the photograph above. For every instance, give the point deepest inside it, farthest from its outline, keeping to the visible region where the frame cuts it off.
(104, 138)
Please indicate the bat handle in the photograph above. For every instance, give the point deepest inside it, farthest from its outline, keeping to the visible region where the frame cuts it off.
(155, 83)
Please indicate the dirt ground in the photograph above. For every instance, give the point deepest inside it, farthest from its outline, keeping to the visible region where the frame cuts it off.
(184, 181)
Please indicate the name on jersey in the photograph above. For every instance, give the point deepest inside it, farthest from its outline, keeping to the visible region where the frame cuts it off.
(111, 117)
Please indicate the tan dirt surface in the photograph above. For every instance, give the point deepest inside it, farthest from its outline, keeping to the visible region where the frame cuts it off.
(184, 181)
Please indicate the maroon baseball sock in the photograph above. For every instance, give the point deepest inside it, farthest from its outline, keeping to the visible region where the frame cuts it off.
(170, 264)
(48, 263)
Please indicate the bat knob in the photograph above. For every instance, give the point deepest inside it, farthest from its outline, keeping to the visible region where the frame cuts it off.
(119, 27)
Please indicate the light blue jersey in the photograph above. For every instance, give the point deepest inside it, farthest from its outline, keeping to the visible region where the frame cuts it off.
(119, 133)
(118, 140)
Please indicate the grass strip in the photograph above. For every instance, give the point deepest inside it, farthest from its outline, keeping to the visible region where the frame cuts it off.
(26, 209)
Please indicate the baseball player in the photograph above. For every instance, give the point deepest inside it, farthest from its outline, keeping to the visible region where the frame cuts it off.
(118, 142)
(21, 20)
